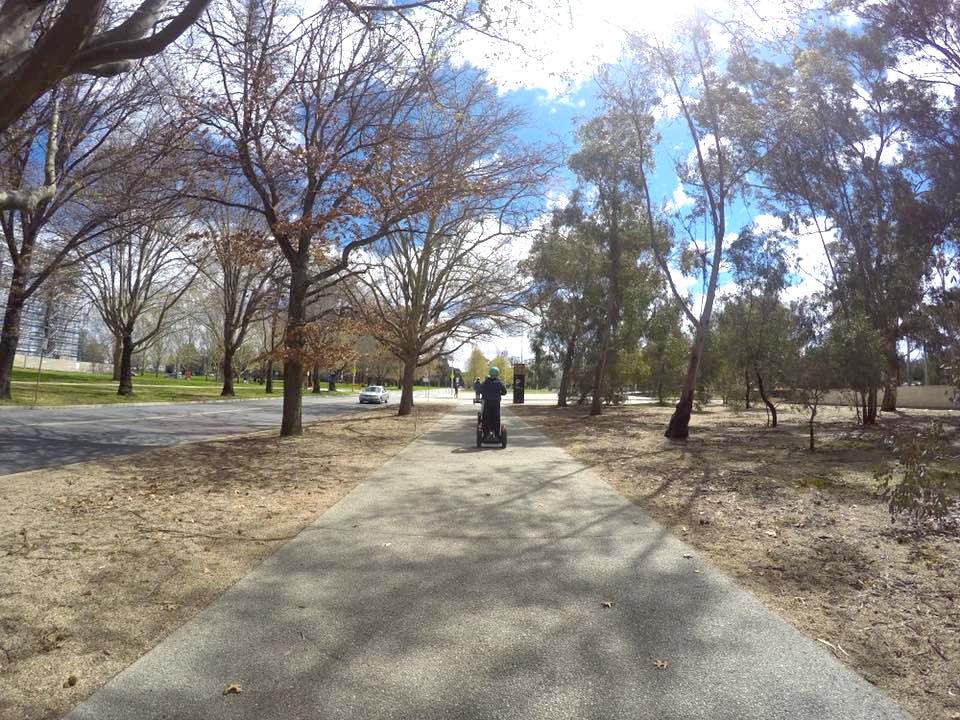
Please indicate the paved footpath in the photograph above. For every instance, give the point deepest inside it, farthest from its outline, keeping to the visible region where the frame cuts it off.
(463, 583)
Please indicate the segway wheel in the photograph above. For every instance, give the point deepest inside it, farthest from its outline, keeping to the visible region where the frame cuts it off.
(503, 436)
(479, 436)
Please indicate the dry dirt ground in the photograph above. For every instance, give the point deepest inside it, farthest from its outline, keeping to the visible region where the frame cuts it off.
(100, 560)
(806, 532)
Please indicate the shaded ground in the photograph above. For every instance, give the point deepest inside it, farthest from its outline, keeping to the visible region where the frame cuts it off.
(805, 532)
(103, 559)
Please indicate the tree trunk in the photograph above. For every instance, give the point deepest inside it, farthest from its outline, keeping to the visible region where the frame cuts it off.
(126, 365)
(891, 378)
(406, 391)
(117, 352)
(596, 405)
(9, 339)
(292, 422)
(746, 377)
(227, 373)
(766, 401)
(813, 414)
(567, 371)
(871, 415)
(316, 379)
(268, 379)
(679, 427)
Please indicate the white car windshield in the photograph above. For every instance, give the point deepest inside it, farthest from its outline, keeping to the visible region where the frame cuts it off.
(374, 388)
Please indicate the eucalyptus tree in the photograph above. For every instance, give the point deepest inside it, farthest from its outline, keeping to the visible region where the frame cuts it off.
(664, 351)
(687, 71)
(840, 163)
(610, 225)
(564, 270)
(753, 326)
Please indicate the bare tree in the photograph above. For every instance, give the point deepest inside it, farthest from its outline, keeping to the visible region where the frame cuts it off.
(136, 281)
(317, 115)
(43, 42)
(87, 158)
(448, 277)
(243, 266)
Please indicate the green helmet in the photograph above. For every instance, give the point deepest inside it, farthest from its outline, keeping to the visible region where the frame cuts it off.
(494, 371)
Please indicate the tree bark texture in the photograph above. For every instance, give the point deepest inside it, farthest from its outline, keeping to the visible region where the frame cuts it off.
(766, 401)
(126, 365)
(316, 379)
(679, 427)
(227, 373)
(891, 377)
(406, 392)
(567, 371)
(268, 380)
(9, 339)
(117, 351)
(599, 371)
(746, 377)
(292, 422)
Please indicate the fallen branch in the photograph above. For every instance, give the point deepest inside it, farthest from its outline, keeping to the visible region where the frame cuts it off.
(248, 538)
(936, 649)
(833, 647)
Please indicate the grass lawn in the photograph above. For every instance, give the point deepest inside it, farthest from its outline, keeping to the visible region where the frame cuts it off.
(806, 532)
(72, 388)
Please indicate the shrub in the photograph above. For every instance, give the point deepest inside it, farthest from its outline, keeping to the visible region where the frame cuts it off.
(910, 485)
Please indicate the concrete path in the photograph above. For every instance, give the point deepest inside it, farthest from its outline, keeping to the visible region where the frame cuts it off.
(459, 583)
(46, 437)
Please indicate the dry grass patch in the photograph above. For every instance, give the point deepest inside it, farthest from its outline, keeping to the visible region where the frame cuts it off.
(806, 532)
(103, 559)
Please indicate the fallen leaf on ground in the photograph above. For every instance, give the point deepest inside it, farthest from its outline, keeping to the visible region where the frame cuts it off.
(606, 603)
(70, 681)
(688, 556)
(661, 664)
(233, 689)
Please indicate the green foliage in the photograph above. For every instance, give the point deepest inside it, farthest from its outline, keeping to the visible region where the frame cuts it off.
(477, 366)
(663, 358)
(856, 347)
(911, 487)
(505, 366)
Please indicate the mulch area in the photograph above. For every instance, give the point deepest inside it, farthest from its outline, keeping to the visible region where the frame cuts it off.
(805, 532)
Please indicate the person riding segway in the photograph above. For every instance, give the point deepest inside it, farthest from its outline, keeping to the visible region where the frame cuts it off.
(489, 428)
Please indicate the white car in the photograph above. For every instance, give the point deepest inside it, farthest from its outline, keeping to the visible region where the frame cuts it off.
(374, 394)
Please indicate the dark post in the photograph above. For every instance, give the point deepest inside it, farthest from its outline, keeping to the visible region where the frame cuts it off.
(519, 381)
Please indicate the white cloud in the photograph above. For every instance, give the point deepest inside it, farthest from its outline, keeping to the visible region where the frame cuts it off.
(560, 43)
(679, 200)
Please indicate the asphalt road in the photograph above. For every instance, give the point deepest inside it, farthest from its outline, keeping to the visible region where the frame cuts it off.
(465, 584)
(45, 437)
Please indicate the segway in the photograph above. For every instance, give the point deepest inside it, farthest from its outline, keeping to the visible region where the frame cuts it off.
(488, 435)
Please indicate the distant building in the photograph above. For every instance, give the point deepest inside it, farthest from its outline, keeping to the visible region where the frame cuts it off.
(51, 321)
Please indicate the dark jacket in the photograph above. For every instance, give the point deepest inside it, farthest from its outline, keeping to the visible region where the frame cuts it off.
(492, 390)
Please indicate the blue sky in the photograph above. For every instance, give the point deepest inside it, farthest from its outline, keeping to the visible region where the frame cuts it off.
(549, 75)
